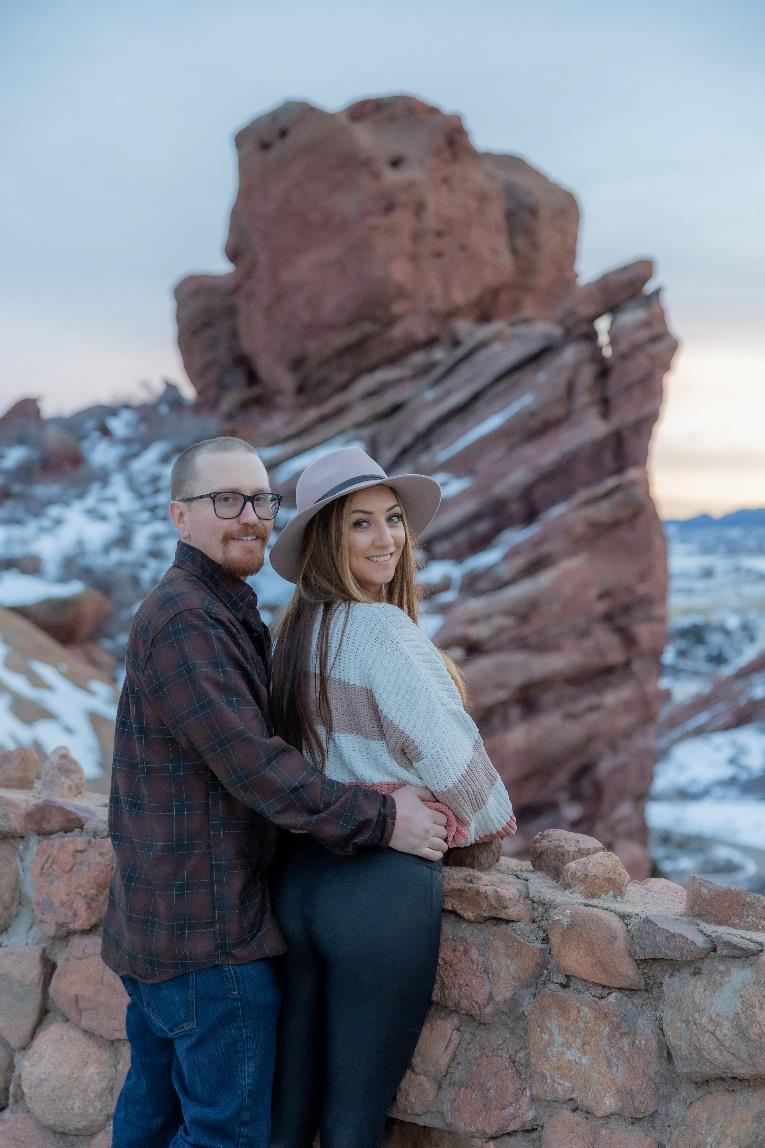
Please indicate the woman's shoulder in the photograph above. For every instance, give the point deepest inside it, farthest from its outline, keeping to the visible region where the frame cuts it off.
(381, 618)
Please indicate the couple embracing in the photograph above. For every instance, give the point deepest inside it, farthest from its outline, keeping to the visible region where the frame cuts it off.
(279, 817)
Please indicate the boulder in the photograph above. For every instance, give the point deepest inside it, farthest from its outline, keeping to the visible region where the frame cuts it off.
(18, 767)
(592, 944)
(70, 881)
(604, 1054)
(69, 619)
(87, 992)
(597, 875)
(714, 1019)
(10, 883)
(68, 1080)
(62, 776)
(24, 976)
(553, 849)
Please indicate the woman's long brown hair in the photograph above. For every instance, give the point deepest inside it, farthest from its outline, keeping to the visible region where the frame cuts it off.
(325, 582)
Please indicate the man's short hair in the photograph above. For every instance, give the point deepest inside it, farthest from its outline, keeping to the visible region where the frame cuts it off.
(183, 470)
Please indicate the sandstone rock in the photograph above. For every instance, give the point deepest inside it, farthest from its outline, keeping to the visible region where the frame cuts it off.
(573, 1130)
(596, 876)
(667, 938)
(12, 806)
(208, 339)
(6, 1072)
(478, 896)
(87, 992)
(663, 887)
(24, 977)
(437, 1045)
(39, 661)
(68, 1077)
(753, 916)
(542, 223)
(60, 451)
(553, 849)
(373, 251)
(416, 1095)
(70, 879)
(725, 904)
(53, 815)
(486, 1094)
(482, 856)
(485, 970)
(732, 1119)
(70, 619)
(592, 944)
(544, 439)
(729, 944)
(19, 1129)
(590, 300)
(605, 1054)
(62, 776)
(720, 904)
(10, 883)
(18, 767)
(23, 411)
(714, 1022)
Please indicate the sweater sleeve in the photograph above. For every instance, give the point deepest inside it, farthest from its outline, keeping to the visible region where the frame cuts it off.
(425, 723)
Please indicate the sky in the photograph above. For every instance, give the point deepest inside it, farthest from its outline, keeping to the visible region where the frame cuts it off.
(117, 129)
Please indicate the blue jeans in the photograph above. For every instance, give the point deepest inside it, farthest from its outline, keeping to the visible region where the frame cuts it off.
(202, 1047)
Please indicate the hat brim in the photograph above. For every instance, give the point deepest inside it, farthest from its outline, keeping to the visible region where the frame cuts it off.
(419, 495)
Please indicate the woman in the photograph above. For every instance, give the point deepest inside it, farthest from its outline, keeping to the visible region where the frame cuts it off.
(361, 690)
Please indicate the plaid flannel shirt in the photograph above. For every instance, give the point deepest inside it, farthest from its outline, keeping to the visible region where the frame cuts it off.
(199, 783)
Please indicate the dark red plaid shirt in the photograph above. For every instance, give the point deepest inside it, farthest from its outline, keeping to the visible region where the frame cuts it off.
(199, 783)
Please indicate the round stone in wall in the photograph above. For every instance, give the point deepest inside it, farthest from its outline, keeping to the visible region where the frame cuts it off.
(68, 1080)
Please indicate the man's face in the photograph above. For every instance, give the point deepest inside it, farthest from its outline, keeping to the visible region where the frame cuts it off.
(238, 544)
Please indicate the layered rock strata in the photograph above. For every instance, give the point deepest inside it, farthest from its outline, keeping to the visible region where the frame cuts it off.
(394, 287)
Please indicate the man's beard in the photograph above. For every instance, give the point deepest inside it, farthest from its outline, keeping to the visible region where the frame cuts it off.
(246, 565)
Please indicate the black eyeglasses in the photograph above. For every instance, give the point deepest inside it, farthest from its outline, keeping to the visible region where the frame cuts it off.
(231, 503)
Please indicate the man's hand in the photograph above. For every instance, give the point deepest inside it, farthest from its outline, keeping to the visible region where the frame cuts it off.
(418, 830)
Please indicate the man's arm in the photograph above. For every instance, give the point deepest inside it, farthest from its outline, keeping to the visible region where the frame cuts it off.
(197, 681)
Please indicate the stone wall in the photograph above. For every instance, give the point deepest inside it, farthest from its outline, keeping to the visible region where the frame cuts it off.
(573, 1007)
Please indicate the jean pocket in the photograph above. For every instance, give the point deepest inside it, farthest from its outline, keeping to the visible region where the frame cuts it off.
(171, 1004)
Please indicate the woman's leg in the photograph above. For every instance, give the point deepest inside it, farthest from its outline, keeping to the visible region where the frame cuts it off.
(378, 932)
(299, 1079)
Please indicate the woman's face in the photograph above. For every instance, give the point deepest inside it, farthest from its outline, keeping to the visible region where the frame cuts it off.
(376, 537)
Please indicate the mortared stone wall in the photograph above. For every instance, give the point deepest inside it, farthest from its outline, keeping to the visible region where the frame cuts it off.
(573, 1008)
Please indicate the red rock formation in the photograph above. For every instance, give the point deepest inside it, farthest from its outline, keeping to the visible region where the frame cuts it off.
(360, 235)
(73, 619)
(394, 287)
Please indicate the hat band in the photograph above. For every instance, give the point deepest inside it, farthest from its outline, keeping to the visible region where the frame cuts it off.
(341, 486)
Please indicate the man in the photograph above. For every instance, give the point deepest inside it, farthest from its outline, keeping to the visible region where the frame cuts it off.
(198, 788)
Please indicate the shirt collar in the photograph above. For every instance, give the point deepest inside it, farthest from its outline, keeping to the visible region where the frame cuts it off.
(234, 592)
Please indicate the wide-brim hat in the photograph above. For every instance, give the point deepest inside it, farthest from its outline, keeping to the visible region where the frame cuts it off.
(341, 472)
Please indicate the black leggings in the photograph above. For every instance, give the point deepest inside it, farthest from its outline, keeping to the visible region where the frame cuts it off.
(356, 983)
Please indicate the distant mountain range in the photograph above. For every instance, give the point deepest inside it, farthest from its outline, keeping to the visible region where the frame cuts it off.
(748, 517)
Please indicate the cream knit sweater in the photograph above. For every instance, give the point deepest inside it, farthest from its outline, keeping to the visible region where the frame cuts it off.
(399, 720)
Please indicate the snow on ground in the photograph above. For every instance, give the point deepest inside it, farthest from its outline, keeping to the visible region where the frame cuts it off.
(487, 426)
(734, 822)
(712, 764)
(68, 711)
(716, 603)
(17, 589)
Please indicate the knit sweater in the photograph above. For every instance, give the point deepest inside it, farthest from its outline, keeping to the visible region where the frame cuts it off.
(399, 720)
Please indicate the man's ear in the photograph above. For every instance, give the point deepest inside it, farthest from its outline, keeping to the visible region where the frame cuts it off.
(178, 514)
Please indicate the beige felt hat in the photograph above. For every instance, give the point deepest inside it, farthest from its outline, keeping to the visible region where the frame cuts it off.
(341, 472)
